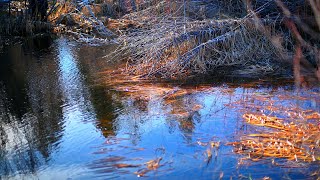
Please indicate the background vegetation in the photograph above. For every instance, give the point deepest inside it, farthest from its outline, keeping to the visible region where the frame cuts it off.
(180, 39)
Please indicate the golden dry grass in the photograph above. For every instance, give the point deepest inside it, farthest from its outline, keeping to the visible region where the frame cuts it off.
(290, 141)
(169, 45)
(295, 136)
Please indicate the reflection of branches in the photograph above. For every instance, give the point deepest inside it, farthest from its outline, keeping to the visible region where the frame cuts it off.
(184, 109)
(29, 117)
(17, 150)
(146, 102)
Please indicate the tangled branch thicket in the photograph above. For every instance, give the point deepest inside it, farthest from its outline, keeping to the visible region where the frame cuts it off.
(173, 41)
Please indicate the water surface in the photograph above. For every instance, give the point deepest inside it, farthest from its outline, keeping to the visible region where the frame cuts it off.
(62, 116)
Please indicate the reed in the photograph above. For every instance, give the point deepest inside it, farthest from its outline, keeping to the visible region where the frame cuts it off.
(169, 40)
(289, 140)
(174, 46)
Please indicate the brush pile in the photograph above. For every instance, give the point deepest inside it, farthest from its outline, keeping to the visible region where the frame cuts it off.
(176, 46)
(181, 39)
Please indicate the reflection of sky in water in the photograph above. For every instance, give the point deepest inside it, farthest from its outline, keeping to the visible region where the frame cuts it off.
(147, 129)
(79, 134)
(162, 136)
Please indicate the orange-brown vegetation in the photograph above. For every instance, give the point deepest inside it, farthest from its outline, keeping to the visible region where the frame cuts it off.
(289, 140)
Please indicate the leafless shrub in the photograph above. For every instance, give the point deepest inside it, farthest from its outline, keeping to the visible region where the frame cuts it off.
(301, 21)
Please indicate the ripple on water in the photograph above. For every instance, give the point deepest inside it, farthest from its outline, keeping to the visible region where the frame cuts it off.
(57, 121)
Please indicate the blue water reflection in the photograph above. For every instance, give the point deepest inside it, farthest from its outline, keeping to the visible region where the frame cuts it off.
(79, 133)
(61, 118)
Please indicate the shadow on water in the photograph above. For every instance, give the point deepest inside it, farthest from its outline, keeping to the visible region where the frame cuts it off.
(30, 109)
(64, 114)
(47, 108)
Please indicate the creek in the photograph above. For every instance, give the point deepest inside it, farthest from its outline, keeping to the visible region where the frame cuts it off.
(62, 116)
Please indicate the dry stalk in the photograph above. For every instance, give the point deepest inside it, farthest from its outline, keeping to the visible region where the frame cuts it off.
(290, 141)
(174, 42)
(163, 49)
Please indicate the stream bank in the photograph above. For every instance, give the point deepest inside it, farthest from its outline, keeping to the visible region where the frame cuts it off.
(180, 40)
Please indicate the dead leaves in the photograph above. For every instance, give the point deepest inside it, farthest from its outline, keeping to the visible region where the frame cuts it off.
(151, 166)
(154, 164)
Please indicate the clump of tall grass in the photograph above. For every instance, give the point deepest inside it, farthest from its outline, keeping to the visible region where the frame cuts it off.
(255, 38)
(176, 46)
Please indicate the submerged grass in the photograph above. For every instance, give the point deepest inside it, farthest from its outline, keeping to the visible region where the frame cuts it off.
(288, 140)
(276, 130)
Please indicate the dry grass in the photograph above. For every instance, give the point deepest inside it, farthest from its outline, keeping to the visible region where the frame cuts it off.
(170, 46)
(302, 22)
(80, 21)
(289, 140)
(278, 129)
(169, 40)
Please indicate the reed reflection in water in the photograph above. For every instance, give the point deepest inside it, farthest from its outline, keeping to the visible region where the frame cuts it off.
(62, 116)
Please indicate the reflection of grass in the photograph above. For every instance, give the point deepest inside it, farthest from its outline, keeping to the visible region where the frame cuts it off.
(280, 129)
(180, 105)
